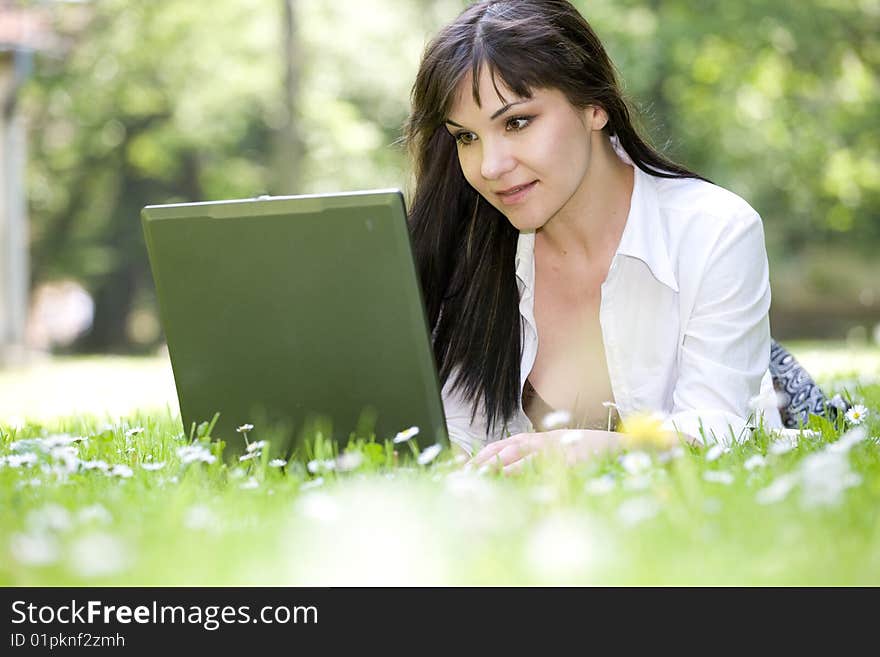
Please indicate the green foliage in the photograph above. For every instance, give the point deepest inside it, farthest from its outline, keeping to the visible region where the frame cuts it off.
(163, 101)
(84, 503)
(775, 101)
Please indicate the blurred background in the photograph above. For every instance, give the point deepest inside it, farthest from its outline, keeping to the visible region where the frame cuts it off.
(110, 105)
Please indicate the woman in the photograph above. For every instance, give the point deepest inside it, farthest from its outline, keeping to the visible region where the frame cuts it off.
(569, 269)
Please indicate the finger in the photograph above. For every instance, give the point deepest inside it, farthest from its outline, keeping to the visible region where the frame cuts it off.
(489, 451)
(527, 442)
(511, 454)
(517, 467)
(497, 462)
(522, 450)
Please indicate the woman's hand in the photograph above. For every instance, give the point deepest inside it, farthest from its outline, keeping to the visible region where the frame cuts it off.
(511, 454)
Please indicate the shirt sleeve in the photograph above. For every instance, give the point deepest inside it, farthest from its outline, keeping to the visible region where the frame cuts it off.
(726, 343)
(469, 436)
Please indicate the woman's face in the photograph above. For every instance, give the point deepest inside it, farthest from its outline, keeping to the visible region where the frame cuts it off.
(528, 157)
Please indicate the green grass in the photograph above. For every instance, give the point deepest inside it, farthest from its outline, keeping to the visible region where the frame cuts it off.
(808, 516)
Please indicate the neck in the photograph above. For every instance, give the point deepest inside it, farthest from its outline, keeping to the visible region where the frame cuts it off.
(591, 222)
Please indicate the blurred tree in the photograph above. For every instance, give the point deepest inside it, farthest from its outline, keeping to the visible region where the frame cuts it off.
(163, 101)
(777, 101)
(155, 102)
(289, 147)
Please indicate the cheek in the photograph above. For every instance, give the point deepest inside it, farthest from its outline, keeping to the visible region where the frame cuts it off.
(564, 155)
(470, 168)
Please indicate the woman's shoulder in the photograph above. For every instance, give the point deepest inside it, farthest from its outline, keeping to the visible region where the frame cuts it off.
(703, 223)
(692, 208)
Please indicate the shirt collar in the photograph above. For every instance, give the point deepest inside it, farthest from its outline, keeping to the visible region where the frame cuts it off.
(525, 258)
(643, 235)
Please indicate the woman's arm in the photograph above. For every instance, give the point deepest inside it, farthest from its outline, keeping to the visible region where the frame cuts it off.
(575, 445)
(726, 345)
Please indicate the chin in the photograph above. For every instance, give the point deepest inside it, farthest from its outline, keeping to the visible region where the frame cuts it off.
(526, 223)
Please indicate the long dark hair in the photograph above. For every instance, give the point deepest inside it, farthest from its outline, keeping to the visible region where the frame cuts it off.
(464, 247)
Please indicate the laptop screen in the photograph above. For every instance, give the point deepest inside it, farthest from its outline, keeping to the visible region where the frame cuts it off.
(300, 315)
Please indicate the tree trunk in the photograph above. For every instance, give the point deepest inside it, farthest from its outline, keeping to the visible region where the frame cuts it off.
(288, 143)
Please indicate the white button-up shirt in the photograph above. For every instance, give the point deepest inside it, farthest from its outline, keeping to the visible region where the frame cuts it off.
(684, 316)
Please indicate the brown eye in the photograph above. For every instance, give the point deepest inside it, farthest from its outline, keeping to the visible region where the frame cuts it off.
(465, 138)
(518, 123)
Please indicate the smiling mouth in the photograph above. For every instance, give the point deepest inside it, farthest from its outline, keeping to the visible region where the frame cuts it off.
(514, 190)
(515, 194)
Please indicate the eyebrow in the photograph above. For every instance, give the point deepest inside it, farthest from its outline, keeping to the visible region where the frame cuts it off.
(495, 115)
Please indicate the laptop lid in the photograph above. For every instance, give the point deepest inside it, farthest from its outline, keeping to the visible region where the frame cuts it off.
(297, 314)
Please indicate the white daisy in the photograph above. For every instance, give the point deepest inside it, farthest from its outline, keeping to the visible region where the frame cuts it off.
(19, 460)
(715, 452)
(200, 517)
(256, 445)
(316, 465)
(67, 459)
(635, 462)
(34, 549)
(405, 435)
(755, 461)
(718, 477)
(544, 494)
(637, 482)
(195, 453)
(98, 554)
(561, 546)
(349, 461)
(94, 465)
(857, 414)
(637, 509)
(314, 483)
(600, 486)
(825, 475)
(94, 513)
(244, 428)
(610, 405)
(848, 440)
(778, 490)
(318, 506)
(121, 470)
(49, 517)
(782, 446)
(135, 431)
(60, 440)
(429, 454)
(277, 463)
(555, 420)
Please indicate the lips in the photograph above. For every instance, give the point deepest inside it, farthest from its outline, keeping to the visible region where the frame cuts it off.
(510, 191)
(517, 194)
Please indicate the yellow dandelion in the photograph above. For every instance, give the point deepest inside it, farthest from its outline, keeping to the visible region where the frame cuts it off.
(645, 430)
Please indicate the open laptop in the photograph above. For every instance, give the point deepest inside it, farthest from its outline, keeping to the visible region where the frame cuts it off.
(299, 315)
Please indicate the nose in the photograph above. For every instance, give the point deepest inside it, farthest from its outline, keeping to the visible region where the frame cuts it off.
(497, 160)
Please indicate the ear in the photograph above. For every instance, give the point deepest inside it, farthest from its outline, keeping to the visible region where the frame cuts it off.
(597, 117)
